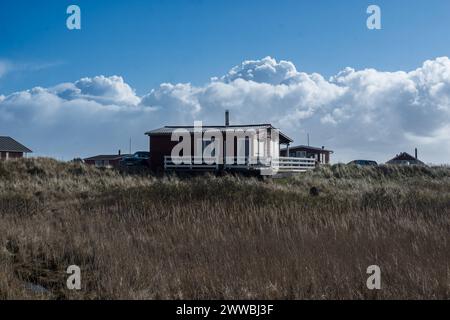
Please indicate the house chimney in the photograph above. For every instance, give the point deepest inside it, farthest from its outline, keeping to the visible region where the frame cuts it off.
(323, 147)
(227, 118)
(120, 152)
(416, 153)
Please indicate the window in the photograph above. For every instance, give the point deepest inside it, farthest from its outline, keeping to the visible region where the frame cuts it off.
(101, 163)
(243, 150)
(205, 144)
(275, 148)
(300, 154)
(261, 149)
(247, 147)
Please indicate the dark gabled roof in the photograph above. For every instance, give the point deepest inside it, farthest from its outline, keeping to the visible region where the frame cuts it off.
(8, 144)
(167, 130)
(303, 147)
(107, 157)
(405, 157)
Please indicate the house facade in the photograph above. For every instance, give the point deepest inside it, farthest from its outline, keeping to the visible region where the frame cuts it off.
(11, 149)
(105, 161)
(254, 147)
(320, 155)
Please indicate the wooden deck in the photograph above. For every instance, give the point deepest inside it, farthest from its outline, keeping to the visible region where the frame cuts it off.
(282, 164)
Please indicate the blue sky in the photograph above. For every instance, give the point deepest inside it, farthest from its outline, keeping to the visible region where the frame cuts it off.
(164, 54)
(149, 42)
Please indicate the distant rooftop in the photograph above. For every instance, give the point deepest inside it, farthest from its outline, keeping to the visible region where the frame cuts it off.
(106, 157)
(8, 144)
(403, 158)
(303, 147)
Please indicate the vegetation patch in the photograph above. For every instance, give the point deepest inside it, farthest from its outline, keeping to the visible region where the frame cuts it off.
(143, 237)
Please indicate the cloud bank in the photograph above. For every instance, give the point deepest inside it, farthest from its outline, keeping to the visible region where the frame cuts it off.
(358, 113)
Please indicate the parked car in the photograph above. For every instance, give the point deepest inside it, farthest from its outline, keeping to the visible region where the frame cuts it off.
(140, 158)
(364, 162)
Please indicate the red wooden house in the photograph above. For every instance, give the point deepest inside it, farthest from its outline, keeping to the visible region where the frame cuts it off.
(254, 147)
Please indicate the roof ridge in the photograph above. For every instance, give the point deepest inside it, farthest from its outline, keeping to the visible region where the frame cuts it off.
(223, 126)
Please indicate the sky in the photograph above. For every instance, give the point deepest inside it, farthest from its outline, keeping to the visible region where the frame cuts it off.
(306, 66)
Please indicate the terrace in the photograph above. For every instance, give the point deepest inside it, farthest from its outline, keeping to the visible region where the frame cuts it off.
(262, 164)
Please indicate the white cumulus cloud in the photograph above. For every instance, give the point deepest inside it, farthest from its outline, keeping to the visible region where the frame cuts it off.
(358, 113)
(266, 70)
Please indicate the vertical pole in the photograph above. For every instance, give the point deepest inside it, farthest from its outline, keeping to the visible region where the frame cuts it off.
(227, 118)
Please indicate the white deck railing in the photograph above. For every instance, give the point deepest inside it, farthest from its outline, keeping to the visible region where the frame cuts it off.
(190, 163)
(281, 164)
(291, 164)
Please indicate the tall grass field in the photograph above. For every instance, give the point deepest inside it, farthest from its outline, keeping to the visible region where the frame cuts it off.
(228, 237)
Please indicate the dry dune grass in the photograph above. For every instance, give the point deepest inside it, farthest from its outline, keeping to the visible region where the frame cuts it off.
(141, 237)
